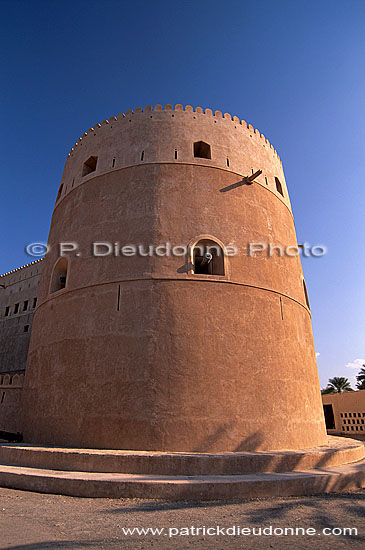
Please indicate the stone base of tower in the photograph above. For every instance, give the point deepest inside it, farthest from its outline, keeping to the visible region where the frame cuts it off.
(335, 467)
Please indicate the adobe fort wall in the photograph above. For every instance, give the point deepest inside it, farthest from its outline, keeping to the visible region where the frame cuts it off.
(18, 297)
(155, 135)
(146, 352)
(17, 304)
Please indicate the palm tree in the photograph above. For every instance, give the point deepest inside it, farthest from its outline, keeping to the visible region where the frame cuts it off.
(338, 384)
(326, 390)
(361, 379)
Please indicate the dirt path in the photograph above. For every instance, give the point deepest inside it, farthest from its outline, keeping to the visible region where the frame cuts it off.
(31, 521)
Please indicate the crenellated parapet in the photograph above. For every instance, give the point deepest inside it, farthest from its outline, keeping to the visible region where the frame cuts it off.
(218, 115)
(168, 135)
(20, 268)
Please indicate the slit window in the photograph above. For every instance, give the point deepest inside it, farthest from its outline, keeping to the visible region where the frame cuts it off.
(279, 187)
(34, 302)
(208, 258)
(59, 276)
(59, 192)
(7, 311)
(89, 166)
(202, 150)
(175, 154)
(113, 163)
(25, 305)
(142, 155)
(228, 162)
(306, 294)
(26, 328)
(16, 308)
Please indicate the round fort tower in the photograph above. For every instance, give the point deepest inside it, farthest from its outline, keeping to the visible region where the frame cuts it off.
(164, 351)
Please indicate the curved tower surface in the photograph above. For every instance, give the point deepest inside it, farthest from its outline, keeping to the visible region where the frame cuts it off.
(180, 351)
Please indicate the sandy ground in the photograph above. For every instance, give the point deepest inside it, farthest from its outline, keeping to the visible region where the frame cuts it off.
(32, 521)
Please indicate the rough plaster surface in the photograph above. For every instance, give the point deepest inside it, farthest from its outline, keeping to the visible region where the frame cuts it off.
(187, 362)
(19, 286)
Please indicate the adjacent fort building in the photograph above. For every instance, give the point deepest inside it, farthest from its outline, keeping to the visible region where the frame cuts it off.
(197, 352)
(18, 300)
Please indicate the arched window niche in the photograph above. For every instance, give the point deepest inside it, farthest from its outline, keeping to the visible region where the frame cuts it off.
(59, 275)
(207, 256)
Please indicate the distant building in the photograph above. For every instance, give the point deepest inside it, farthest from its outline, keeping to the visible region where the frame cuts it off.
(345, 413)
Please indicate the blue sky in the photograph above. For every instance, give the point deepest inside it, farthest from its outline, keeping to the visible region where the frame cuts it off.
(292, 68)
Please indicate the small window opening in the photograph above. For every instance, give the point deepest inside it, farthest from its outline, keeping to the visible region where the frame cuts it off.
(279, 187)
(26, 328)
(89, 166)
(2, 397)
(7, 311)
(228, 162)
(118, 299)
(175, 154)
(59, 192)
(142, 155)
(306, 294)
(25, 305)
(34, 302)
(202, 150)
(16, 308)
(266, 181)
(59, 276)
(208, 258)
(113, 163)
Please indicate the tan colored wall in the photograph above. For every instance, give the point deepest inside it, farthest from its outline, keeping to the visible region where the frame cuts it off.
(10, 399)
(349, 412)
(188, 362)
(159, 133)
(20, 285)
